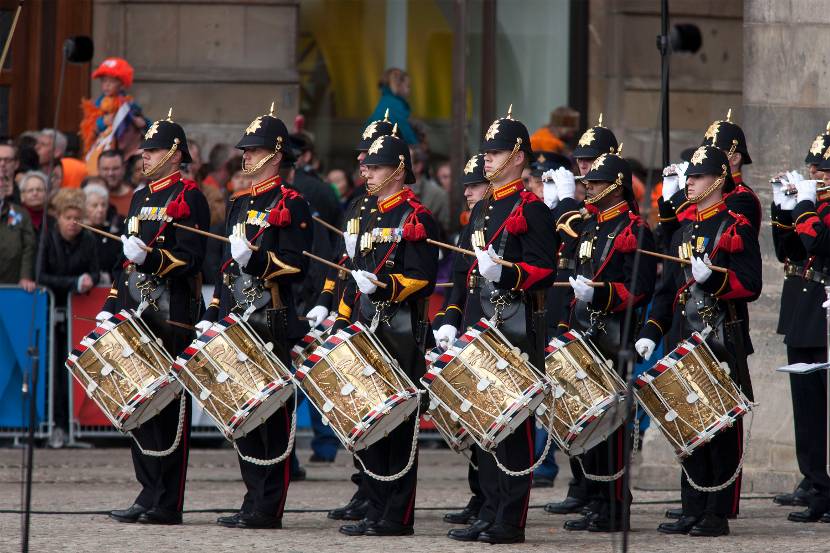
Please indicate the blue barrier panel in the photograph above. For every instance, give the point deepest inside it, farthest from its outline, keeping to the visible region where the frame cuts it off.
(15, 334)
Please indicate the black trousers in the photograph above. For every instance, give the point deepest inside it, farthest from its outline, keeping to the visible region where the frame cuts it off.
(809, 395)
(605, 459)
(266, 485)
(477, 499)
(60, 383)
(393, 501)
(163, 479)
(711, 465)
(578, 485)
(506, 497)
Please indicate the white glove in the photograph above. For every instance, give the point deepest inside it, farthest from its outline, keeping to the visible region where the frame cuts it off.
(351, 243)
(487, 267)
(670, 182)
(806, 190)
(102, 316)
(133, 249)
(582, 290)
(645, 347)
(565, 183)
(444, 336)
(778, 192)
(826, 304)
(240, 250)
(551, 198)
(365, 285)
(681, 174)
(202, 326)
(700, 268)
(794, 177)
(787, 201)
(317, 315)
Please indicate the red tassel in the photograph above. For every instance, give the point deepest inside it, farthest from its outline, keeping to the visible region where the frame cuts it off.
(420, 232)
(626, 241)
(178, 209)
(284, 217)
(409, 232)
(273, 217)
(737, 243)
(516, 224)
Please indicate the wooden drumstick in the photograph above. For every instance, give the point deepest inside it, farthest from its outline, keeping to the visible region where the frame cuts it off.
(110, 235)
(682, 261)
(168, 321)
(211, 235)
(318, 259)
(329, 226)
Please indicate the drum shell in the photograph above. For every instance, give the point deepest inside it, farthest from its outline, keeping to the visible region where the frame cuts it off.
(449, 426)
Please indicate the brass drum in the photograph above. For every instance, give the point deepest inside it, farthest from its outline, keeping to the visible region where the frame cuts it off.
(588, 396)
(357, 387)
(486, 383)
(447, 423)
(311, 341)
(125, 370)
(234, 376)
(690, 396)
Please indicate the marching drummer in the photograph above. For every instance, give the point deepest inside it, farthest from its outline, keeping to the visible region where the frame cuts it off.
(276, 220)
(476, 187)
(159, 276)
(390, 247)
(512, 224)
(718, 300)
(593, 143)
(800, 235)
(332, 290)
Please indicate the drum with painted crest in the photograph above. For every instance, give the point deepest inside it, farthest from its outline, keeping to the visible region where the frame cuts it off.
(588, 396)
(357, 387)
(125, 370)
(690, 396)
(234, 376)
(448, 424)
(487, 383)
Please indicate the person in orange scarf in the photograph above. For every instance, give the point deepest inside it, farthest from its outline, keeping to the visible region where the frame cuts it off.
(113, 120)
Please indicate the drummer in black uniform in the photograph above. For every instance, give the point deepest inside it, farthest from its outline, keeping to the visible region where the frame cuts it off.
(163, 284)
(515, 225)
(802, 326)
(604, 292)
(333, 287)
(476, 187)
(806, 335)
(257, 285)
(392, 228)
(593, 143)
(705, 298)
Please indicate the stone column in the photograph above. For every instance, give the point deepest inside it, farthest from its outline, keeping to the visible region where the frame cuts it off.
(219, 64)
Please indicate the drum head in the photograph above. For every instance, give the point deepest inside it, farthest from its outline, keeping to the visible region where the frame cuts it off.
(386, 422)
(159, 395)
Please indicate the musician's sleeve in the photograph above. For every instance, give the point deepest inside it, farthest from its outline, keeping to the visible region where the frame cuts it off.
(537, 269)
(743, 277)
(811, 226)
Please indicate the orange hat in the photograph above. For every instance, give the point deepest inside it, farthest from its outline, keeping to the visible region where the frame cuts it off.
(115, 67)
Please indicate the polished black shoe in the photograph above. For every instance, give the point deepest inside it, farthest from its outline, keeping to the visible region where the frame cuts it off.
(799, 498)
(469, 533)
(603, 524)
(807, 515)
(231, 521)
(710, 526)
(358, 528)
(566, 507)
(502, 533)
(257, 520)
(130, 514)
(385, 528)
(355, 509)
(298, 474)
(160, 516)
(465, 516)
(674, 514)
(542, 482)
(680, 526)
(579, 524)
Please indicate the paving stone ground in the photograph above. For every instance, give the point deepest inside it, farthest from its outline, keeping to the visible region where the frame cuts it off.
(93, 480)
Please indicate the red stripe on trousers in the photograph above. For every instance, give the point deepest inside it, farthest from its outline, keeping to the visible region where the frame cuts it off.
(530, 446)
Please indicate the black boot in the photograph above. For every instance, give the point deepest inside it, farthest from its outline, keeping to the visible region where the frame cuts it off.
(355, 509)
(502, 533)
(581, 523)
(807, 515)
(680, 526)
(386, 528)
(469, 533)
(231, 521)
(160, 516)
(711, 526)
(674, 514)
(358, 528)
(467, 515)
(130, 514)
(257, 520)
(567, 506)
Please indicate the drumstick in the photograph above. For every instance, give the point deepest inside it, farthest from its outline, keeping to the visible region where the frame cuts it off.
(168, 321)
(377, 283)
(682, 261)
(110, 235)
(464, 251)
(329, 226)
(211, 235)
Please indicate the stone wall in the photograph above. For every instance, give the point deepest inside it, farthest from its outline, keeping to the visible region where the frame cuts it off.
(218, 63)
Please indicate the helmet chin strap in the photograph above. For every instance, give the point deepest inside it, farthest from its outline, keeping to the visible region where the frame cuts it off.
(616, 184)
(154, 169)
(502, 167)
(373, 190)
(263, 161)
(712, 187)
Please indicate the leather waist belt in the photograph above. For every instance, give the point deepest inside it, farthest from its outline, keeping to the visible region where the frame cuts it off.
(565, 263)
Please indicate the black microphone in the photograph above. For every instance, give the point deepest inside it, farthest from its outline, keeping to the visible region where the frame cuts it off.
(78, 49)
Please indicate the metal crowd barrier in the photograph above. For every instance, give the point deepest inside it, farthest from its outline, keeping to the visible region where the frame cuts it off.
(25, 315)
